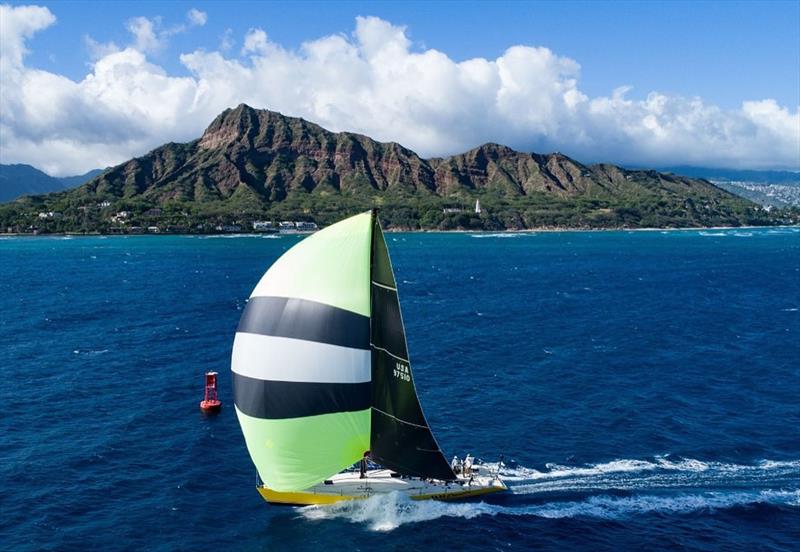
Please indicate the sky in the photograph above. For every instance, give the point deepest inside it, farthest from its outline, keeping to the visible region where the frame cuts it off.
(92, 84)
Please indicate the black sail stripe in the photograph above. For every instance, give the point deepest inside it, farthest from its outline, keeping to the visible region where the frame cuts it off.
(276, 400)
(304, 319)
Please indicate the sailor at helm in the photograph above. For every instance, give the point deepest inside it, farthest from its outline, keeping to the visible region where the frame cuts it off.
(468, 464)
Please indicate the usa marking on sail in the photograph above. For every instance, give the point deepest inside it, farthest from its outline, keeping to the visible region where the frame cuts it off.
(401, 372)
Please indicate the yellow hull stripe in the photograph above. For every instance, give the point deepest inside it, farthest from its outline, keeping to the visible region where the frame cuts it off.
(310, 499)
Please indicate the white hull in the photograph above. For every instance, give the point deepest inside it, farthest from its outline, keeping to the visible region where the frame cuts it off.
(351, 486)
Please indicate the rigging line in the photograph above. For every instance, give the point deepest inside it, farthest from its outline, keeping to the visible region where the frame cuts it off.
(374, 283)
(390, 353)
(399, 420)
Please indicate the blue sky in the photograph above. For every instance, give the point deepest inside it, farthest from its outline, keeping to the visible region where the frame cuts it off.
(725, 52)
(670, 54)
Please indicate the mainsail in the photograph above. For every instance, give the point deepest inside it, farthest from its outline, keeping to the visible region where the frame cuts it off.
(401, 438)
(320, 369)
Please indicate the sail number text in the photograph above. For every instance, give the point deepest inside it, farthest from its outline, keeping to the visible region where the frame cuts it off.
(402, 372)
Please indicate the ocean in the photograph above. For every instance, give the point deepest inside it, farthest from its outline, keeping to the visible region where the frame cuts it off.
(644, 388)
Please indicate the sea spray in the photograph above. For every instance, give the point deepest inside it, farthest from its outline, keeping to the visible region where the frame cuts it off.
(390, 511)
(657, 486)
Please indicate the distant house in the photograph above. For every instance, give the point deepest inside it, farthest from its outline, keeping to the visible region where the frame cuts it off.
(228, 228)
(50, 215)
(153, 230)
(154, 212)
(286, 225)
(451, 210)
(104, 204)
(120, 217)
(305, 226)
(263, 225)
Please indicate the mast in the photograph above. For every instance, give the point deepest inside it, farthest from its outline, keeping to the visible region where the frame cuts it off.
(401, 438)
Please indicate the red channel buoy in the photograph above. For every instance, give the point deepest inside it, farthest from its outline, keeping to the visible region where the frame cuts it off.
(211, 403)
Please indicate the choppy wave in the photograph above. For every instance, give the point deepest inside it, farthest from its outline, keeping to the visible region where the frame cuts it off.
(503, 235)
(659, 473)
(89, 352)
(388, 512)
(659, 485)
(228, 236)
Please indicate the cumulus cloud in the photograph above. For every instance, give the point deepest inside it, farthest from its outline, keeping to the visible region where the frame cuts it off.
(145, 35)
(196, 17)
(16, 26)
(226, 41)
(98, 49)
(149, 35)
(375, 82)
(255, 42)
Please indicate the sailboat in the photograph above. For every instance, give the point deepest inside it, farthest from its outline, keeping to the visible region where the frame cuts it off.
(323, 388)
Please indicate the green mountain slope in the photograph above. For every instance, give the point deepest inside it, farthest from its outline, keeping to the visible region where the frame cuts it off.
(255, 164)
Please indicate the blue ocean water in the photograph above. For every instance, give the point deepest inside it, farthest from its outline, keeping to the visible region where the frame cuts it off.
(643, 386)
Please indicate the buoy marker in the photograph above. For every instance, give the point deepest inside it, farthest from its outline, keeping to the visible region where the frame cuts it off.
(211, 403)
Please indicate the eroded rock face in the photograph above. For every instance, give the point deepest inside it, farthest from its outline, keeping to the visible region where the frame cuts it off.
(270, 155)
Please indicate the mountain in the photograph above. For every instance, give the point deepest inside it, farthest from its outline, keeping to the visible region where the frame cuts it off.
(19, 180)
(260, 165)
(735, 175)
(770, 188)
(72, 181)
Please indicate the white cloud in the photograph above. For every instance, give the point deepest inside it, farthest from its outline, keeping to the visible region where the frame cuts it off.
(16, 26)
(255, 42)
(97, 49)
(196, 17)
(226, 41)
(146, 39)
(373, 82)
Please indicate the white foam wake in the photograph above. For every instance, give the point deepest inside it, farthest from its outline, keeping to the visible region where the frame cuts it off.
(659, 473)
(388, 512)
(503, 235)
(658, 485)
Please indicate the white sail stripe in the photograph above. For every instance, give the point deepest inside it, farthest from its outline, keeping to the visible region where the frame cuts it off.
(398, 419)
(401, 359)
(267, 357)
(383, 286)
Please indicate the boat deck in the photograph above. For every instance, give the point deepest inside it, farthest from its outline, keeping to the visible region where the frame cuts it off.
(350, 486)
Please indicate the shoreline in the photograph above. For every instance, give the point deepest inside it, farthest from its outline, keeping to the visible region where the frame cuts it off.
(543, 230)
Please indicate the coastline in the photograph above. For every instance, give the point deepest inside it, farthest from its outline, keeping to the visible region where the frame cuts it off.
(541, 230)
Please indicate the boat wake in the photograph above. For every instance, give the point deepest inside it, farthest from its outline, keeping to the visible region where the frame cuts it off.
(611, 490)
(503, 235)
(659, 473)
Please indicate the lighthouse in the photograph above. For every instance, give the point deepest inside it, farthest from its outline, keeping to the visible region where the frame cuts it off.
(477, 206)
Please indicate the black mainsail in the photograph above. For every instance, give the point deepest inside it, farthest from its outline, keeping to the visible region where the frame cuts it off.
(400, 436)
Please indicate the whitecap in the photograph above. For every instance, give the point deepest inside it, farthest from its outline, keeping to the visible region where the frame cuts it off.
(390, 511)
(503, 235)
(639, 475)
